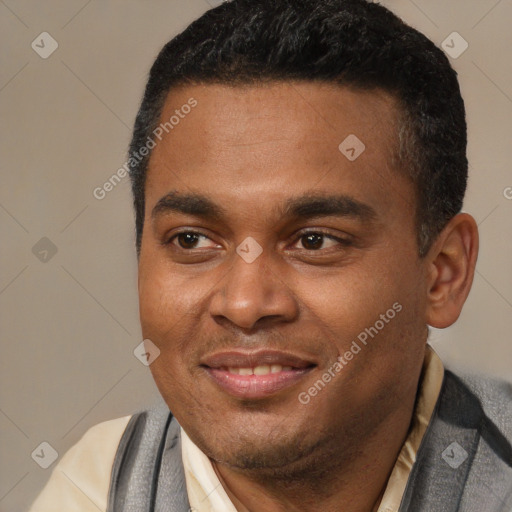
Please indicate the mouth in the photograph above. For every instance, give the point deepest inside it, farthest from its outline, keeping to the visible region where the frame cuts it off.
(256, 375)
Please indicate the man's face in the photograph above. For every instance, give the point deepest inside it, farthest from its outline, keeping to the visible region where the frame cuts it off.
(245, 336)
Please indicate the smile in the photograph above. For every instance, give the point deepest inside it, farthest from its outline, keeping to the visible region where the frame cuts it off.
(256, 375)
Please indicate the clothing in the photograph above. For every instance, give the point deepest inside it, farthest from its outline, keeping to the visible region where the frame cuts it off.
(475, 474)
(80, 481)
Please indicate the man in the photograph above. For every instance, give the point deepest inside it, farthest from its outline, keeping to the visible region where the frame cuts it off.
(298, 171)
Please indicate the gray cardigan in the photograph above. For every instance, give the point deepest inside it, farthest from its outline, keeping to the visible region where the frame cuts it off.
(464, 462)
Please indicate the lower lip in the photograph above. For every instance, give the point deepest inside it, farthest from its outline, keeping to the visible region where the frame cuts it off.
(256, 386)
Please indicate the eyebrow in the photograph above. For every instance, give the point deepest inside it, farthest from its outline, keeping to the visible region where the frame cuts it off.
(310, 206)
(302, 207)
(188, 204)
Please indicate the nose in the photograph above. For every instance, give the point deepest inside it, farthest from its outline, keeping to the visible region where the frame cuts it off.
(253, 295)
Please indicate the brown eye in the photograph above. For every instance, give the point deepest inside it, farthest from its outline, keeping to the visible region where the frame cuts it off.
(318, 241)
(312, 241)
(188, 240)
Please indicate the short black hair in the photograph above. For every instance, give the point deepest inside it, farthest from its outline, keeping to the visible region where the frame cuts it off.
(356, 43)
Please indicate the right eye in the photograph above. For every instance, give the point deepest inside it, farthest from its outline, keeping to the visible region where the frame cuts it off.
(188, 240)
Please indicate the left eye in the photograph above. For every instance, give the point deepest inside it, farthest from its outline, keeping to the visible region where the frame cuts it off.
(317, 241)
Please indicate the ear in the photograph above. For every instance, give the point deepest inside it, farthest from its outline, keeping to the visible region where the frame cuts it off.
(451, 265)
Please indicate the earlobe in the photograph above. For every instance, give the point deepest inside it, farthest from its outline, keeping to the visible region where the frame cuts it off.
(452, 261)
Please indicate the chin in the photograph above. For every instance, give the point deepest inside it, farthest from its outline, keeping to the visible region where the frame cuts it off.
(257, 446)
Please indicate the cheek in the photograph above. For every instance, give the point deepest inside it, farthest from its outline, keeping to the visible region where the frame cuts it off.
(349, 300)
(156, 304)
(353, 299)
(171, 305)
(165, 315)
(167, 299)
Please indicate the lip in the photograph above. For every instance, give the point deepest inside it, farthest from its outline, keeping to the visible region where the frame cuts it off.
(255, 386)
(250, 359)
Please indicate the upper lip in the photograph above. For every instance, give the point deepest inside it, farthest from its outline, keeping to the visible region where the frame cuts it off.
(251, 359)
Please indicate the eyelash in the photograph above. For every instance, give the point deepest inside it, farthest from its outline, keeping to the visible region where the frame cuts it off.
(343, 242)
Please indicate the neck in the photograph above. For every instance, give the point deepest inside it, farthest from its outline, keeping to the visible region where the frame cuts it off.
(354, 476)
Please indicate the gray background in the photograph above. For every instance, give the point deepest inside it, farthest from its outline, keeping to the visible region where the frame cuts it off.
(70, 321)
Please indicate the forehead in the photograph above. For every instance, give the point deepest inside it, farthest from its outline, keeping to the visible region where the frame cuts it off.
(267, 141)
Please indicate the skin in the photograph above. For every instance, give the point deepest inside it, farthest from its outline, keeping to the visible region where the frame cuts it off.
(249, 150)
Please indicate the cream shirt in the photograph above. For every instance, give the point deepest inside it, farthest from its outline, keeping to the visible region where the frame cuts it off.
(80, 481)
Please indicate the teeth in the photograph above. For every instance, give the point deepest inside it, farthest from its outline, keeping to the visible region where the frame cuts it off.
(263, 369)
